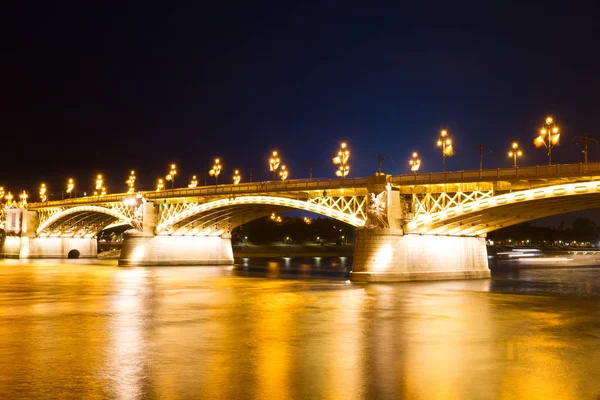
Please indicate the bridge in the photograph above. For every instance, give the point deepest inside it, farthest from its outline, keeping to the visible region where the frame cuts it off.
(410, 227)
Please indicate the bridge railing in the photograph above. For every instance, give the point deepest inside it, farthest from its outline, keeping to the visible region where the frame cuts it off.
(225, 189)
(543, 171)
(498, 174)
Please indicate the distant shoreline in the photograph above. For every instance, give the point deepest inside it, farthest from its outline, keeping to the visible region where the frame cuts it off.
(293, 251)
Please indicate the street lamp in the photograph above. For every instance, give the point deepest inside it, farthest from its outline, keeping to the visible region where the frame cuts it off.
(23, 197)
(236, 177)
(445, 143)
(415, 162)
(514, 153)
(131, 182)
(9, 197)
(342, 159)
(275, 218)
(171, 175)
(99, 182)
(549, 137)
(193, 182)
(274, 164)
(43, 191)
(1, 194)
(160, 185)
(283, 173)
(70, 187)
(216, 170)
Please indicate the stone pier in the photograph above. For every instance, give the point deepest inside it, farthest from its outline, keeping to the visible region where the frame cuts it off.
(386, 255)
(143, 249)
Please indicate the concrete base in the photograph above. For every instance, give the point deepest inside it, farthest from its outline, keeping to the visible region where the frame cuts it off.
(141, 249)
(385, 255)
(10, 247)
(48, 247)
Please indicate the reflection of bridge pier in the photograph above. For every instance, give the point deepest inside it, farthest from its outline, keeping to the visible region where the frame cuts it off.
(410, 227)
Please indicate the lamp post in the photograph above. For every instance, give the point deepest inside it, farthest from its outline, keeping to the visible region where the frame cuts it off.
(445, 143)
(549, 137)
(1, 194)
(342, 158)
(171, 175)
(283, 173)
(131, 182)
(274, 164)
(193, 182)
(515, 152)
(160, 185)
(586, 140)
(216, 170)
(23, 198)
(415, 162)
(70, 187)
(43, 191)
(236, 177)
(9, 197)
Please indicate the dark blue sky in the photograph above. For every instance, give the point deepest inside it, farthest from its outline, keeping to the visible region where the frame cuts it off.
(102, 88)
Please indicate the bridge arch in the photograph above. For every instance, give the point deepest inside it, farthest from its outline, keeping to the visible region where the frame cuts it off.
(488, 214)
(93, 219)
(217, 217)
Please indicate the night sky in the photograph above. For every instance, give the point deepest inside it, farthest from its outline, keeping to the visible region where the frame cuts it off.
(90, 89)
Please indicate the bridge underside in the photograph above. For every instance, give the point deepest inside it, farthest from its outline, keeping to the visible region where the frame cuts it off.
(222, 220)
(457, 222)
(79, 224)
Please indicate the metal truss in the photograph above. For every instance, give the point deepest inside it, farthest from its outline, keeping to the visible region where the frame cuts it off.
(82, 220)
(487, 214)
(352, 205)
(428, 203)
(221, 216)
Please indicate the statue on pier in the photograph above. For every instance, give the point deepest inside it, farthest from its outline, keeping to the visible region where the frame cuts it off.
(377, 210)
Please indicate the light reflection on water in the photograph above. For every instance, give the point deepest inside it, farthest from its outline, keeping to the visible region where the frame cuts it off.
(292, 330)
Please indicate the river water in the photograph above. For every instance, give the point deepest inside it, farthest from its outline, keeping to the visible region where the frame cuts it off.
(293, 329)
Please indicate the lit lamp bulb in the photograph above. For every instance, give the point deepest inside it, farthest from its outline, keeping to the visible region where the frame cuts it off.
(70, 186)
(274, 163)
(549, 137)
(131, 182)
(43, 191)
(236, 177)
(514, 153)
(216, 170)
(343, 155)
(171, 175)
(445, 143)
(160, 185)
(99, 182)
(283, 174)
(23, 197)
(193, 182)
(415, 162)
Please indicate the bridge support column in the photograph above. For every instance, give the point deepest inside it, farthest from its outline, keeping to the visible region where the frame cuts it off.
(143, 249)
(58, 247)
(386, 255)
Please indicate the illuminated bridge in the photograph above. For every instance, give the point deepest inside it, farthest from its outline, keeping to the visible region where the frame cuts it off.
(418, 226)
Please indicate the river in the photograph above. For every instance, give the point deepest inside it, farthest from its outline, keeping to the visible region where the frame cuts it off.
(293, 328)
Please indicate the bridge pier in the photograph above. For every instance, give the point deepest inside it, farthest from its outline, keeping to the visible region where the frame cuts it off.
(387, 255)
(146, 249)
(24, 247)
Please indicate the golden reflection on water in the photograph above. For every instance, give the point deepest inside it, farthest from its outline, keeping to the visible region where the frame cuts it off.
(97, 331)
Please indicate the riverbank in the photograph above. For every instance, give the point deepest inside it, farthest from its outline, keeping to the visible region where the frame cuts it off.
(293, 250)
(280, 250)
